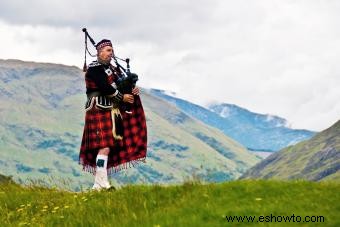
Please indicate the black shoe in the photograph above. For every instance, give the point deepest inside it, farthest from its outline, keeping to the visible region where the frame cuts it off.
(111, 188)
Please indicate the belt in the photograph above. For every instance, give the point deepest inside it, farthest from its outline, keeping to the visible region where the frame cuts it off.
(93, 94)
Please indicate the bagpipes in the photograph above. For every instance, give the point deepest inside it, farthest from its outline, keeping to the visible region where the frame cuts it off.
(127, 80)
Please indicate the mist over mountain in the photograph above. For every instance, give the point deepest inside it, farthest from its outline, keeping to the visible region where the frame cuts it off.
(257, 132)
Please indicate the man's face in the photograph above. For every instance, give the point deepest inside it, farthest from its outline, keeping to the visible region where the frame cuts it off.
(105, 54)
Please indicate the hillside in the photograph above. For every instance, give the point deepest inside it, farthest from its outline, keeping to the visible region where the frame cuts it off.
(257, 132)
(41, 126)
(191, 204)
(315, 159)
(4, 179)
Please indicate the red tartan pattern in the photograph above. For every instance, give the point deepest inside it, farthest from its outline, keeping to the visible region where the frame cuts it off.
(98, 134)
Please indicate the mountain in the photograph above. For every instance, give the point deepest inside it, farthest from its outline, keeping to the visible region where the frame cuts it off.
(42, 118)
(315, 159)
(257, 132)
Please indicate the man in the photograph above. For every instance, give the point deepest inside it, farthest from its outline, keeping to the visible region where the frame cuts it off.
(112, 138)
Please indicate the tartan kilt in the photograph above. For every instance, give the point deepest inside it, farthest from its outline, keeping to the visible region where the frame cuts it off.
(98, 134)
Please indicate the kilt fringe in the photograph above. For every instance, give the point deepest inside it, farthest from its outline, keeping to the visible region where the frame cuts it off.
(126, 165)
(115, 169)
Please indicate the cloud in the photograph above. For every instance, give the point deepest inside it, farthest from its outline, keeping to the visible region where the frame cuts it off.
(270, 56)
(39, 43)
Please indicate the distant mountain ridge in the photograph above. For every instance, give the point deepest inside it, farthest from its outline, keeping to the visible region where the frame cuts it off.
(42, 117)
(315, 159)
(257, 132)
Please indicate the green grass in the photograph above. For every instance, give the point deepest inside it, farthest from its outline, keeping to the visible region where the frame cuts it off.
(190, 204)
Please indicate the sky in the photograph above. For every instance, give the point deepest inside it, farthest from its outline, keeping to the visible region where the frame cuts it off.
(278, 57)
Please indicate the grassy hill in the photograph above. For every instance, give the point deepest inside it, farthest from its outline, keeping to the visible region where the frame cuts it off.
(42, 117)
(315, 159)
(191, 204)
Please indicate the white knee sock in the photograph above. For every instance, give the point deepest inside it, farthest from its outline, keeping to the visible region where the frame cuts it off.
(101, 179)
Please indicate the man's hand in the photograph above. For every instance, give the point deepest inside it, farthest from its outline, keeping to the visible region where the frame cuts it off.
(135, 91)
(128, 98)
